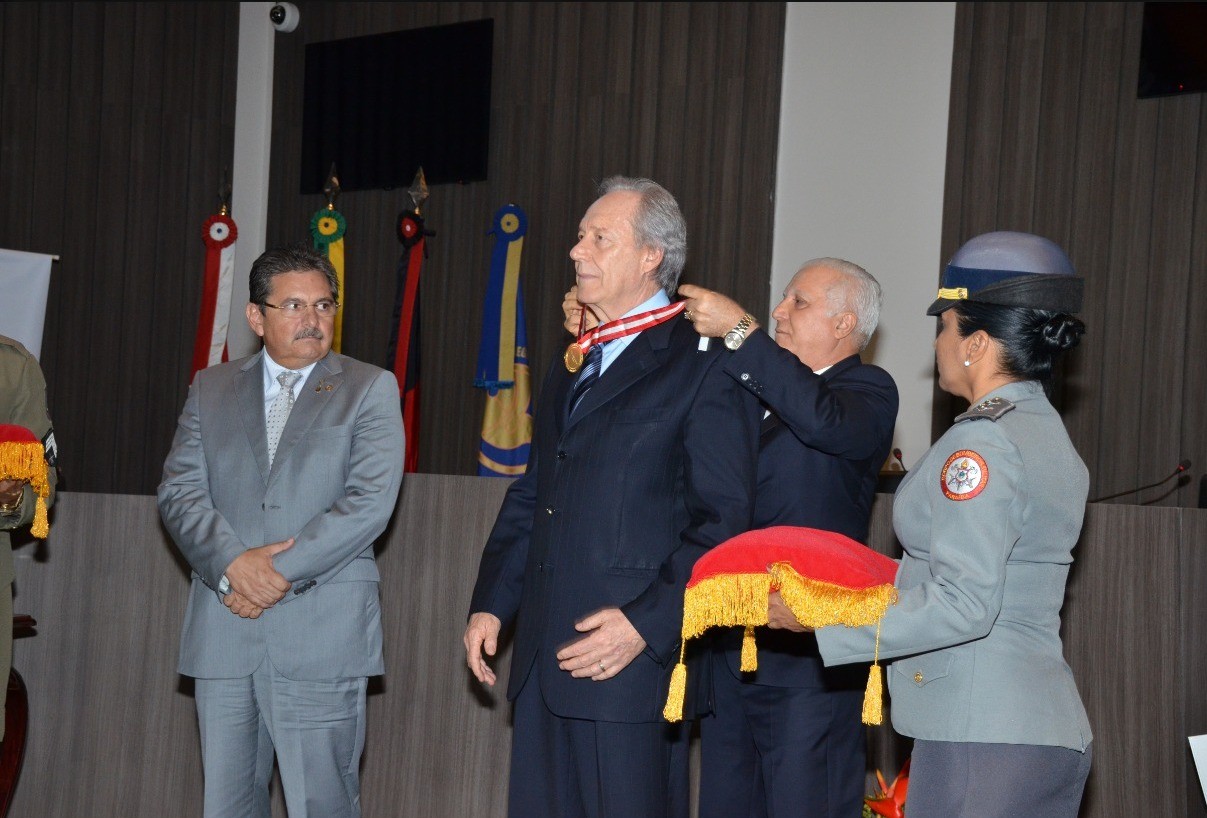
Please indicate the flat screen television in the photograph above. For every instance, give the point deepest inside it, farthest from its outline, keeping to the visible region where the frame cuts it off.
(1173, 50)
(381, 106)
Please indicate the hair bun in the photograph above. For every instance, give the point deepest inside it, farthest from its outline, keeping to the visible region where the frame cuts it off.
(1062, 331)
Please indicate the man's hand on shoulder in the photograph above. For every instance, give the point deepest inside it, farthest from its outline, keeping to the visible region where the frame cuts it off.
(711, 313)
(253, 577)
(610, 644)
(481, 635)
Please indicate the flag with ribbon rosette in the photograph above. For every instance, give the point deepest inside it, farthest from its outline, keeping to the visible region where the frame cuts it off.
(404, 331)
(502, 368)
(327, 228)
(209, 346)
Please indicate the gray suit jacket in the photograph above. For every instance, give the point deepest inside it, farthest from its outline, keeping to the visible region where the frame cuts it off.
(332, 486)
(988, 520)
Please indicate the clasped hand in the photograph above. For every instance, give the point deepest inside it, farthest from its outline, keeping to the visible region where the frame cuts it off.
(611, 642)
(255, 584)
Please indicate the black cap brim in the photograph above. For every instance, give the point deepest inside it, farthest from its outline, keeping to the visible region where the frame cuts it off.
(1057, 293)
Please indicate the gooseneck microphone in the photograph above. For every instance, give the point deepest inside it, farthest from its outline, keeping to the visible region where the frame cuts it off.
(897, 455)
(1183, 466)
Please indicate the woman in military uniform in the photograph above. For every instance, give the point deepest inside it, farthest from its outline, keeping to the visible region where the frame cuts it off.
(988, 519)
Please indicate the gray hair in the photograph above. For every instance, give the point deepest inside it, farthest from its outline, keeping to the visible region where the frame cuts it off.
(297, 258)
(857, 291)
(658, 223)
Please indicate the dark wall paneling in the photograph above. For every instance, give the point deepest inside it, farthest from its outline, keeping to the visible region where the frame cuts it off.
(1047, 136)
(116, 120)
(687, 94)
(117, 124)
(438, 743)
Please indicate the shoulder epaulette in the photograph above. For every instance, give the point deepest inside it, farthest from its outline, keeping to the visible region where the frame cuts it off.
(993, 409)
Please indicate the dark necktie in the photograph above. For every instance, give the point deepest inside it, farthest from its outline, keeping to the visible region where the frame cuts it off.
(588, 377)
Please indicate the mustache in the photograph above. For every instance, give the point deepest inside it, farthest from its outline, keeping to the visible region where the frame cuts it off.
(309, 332)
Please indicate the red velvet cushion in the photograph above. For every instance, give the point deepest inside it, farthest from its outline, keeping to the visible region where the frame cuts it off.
(821, 555)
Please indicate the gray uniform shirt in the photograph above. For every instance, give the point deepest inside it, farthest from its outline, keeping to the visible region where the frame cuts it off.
(987, 520)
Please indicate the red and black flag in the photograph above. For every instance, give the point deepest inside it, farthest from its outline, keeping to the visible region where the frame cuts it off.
(404, 331)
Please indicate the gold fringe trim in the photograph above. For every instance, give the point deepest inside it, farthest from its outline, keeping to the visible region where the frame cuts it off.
(750, 654)
(817, 604)
(725, 600)
(27, 461)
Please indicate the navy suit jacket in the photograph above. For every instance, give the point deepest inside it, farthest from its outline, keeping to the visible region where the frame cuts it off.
(820, 452)
(656, 467)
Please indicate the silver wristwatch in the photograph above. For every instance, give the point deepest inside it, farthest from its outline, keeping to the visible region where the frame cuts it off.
(735, 337)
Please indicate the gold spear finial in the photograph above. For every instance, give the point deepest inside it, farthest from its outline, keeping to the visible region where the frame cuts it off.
(418, 190)
(224, 194)
(331, 188)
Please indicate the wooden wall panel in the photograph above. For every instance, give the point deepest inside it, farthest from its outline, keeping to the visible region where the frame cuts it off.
(687, 94)
(1192, 613)
(1098, 104)
(113, 729)
(1047, 136)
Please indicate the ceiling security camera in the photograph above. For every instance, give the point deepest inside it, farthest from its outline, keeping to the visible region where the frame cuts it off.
(284, 17)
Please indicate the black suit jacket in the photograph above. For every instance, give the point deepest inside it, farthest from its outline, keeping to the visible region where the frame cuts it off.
(656, 467)
(820, 452)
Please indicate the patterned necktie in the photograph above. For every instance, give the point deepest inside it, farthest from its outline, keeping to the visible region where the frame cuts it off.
(588, 377)
(278, 413)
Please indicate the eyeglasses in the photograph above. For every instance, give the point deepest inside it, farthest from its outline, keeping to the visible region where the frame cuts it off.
(323, 308)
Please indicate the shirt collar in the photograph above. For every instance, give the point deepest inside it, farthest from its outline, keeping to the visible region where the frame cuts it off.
(272, 369)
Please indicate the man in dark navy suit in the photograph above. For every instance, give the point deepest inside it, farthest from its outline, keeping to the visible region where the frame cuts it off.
(643, 457)
(787, 739)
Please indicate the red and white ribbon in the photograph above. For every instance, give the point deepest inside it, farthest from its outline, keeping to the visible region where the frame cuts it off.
(209, 347)
(631, 325)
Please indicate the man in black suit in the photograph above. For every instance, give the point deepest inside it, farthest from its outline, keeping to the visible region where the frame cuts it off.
(642, 459)
(787, 739)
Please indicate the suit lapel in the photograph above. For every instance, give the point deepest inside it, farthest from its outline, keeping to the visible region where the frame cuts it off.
(325, 379)
(639, 359)
(249, 395)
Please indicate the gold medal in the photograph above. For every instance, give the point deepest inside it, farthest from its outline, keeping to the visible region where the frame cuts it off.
(573, 357)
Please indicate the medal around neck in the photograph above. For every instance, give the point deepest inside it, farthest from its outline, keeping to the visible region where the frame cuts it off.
(573, 357)
(620, 328)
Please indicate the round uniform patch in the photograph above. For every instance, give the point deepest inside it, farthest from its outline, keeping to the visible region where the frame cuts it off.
(964, 476)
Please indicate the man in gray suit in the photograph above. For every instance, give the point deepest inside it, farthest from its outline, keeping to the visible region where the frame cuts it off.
(285, 468)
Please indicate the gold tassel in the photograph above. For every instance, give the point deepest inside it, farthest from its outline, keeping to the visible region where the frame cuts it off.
(873, 697)
(750, 654)
(673, 711)
(40, 527)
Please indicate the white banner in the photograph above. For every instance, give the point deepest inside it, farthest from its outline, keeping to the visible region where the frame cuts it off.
(1198, 750)
(24, 284)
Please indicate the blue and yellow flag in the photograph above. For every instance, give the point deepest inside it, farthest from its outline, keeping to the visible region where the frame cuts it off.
(503, 354)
